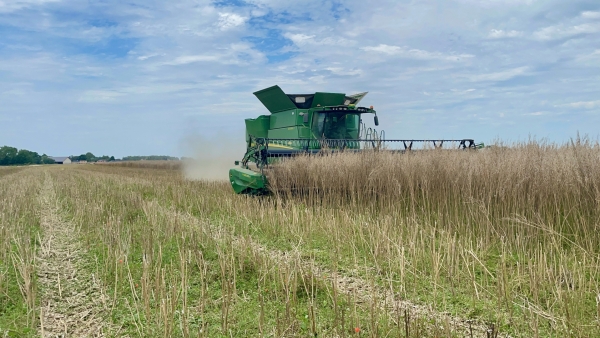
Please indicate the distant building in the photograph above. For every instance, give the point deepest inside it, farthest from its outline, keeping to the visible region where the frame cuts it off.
(61, 160)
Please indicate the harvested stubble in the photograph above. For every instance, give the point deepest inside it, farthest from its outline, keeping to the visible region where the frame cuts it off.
(4, 171)
(512, 234)
(505, 237)
(19, 225)
(173, 274)
(169, 165)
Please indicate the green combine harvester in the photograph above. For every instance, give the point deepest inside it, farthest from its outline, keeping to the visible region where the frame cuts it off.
(312, 124)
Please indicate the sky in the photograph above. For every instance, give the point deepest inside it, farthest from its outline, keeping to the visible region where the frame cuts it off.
(133, 77)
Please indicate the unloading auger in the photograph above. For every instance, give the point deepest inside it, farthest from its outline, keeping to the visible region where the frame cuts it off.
(314, 124)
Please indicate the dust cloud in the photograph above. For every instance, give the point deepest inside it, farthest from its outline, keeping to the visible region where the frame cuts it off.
(210, 158)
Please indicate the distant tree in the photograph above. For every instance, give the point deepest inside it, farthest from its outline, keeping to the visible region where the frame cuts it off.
(8, 155)
(47, 160)
(103, 157)
(27, 157)
(85, 157)
(89, 157)
(13, 156)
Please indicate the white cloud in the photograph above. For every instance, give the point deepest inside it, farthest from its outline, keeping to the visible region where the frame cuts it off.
(13, 92)
(415, 53)
(487, 3)
(500, 76)
(499, 34)
(299, 39)
(462, 92)
(230, 20)
(590, 15)
(235, 53)
(584, 104)
(155, 88)
(303, 40)
(7, 6)
(319, 79)
(183, 60)
(592, 59)
(562, 31)
(258, 12)
(96, 96)
(344, 72)
(383, 49)
(146, 57)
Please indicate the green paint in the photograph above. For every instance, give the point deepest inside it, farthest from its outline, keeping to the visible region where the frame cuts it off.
(295, 117)
(284, 119)
(258, 127)
(247, 181)
(328, 99)
(275, 99)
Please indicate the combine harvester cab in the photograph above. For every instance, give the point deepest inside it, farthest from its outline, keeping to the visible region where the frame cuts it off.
(309, 124)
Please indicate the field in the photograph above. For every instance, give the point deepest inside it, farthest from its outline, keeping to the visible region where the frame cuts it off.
(503, 242)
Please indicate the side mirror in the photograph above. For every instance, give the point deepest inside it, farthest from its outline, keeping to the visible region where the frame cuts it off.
(237, 162)
(305, 118)
(376, 119)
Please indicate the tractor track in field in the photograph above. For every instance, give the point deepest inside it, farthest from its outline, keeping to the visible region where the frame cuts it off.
(72, 303)
(349, 284)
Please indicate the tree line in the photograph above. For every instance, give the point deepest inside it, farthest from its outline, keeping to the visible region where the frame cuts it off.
(89, 157)
(14, 156)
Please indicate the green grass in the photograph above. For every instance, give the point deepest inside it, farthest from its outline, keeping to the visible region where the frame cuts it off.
(19, 225)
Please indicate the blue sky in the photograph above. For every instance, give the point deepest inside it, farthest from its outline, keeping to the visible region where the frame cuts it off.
(150, 77)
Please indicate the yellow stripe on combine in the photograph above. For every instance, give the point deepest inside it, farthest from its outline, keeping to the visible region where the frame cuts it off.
(271, 145)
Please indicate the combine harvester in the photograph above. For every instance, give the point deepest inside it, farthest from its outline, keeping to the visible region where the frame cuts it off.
(313, 124)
